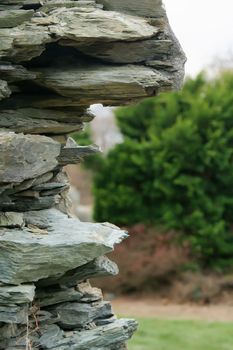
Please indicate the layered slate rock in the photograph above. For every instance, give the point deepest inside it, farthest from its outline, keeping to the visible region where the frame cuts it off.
(54, 251)
(57, 57)
(60, 55)
(13, 18)
(147, 8)
(19, 298)
(77, 25)
(25, 157)
(91, 84)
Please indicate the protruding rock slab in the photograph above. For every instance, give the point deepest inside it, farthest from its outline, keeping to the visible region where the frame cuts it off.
(74, 155)
(99, 267)
(23, 203)
(25, 156)
(99, 26)
(62, 116)
(110, 85)
(29, 125)
(103, 337)
(129, 52)
(26, 256)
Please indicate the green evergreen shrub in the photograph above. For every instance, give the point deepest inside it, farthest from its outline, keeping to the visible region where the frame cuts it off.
(175, 167)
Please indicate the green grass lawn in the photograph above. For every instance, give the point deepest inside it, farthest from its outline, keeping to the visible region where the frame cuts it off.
(156, 334)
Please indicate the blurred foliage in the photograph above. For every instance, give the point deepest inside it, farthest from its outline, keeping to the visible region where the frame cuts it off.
(175, 167)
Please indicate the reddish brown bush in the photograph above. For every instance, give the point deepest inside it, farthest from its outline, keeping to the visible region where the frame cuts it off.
(147, 261)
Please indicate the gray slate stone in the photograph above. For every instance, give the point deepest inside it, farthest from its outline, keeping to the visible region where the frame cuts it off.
(86, 44)
(11, 219)
(9, 331)
(14, 303)
(82, 4)
(53, 296)
(26, 156)
(29, 125)
(49, 186)
(50, 336)
(74, 155)
(129, 52)
(19, 203)
(99, 26)
(79, 315)
(63, 117)
(110, 85)
(68, 243)
(17, 294)
(28, 183)
(14, 313)
(99, 267)
(147, 8)
(102, 337)
(14, 73)
(13, 18)
(24, 42)
(83, 292)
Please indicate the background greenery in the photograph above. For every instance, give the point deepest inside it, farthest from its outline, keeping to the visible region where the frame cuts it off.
(175, 168)
(182, 335)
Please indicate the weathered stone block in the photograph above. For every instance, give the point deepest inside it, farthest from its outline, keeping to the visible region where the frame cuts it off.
(24, 156)
(26, 256)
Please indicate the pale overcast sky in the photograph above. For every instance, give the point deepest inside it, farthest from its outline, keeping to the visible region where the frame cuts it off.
(204, 28)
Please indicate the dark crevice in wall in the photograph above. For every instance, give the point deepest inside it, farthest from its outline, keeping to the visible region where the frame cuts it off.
(56, 55)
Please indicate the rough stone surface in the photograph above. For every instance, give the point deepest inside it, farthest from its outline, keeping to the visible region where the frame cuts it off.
(14, 73)
(13, 18)
(79, 315)
(64, 117)
(14, 313)
(54, 252)
(113, 85)
(11, 219)
(17, 294)
(29, 125)
(99, 267)
(109, 26)
(102, 337)
(57, 57)
(24, 156)
(53, 296)
(74, 155)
